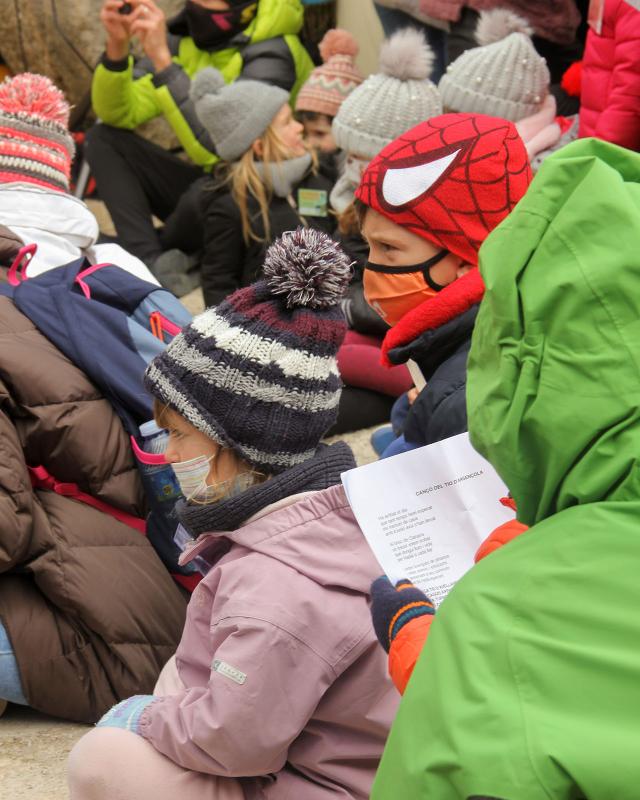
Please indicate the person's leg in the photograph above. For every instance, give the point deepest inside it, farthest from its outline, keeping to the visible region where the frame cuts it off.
(398, 446)
(359, 365)
(137, 179)
(10, 683)
(110, 763)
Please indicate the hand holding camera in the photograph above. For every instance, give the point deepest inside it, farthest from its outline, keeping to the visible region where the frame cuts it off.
(141, 19)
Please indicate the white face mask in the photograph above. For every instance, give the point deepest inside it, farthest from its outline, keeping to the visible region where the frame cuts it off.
(192, 475)
(192, 478)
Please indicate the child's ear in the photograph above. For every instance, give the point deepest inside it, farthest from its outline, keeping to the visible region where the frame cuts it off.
(258, 148)
(462, 269)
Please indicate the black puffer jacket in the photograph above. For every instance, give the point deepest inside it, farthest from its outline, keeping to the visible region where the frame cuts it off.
(228, 262)
(440, 411)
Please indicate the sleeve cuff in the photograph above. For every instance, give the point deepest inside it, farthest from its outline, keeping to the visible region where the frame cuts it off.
(122, 65)
(167, 75)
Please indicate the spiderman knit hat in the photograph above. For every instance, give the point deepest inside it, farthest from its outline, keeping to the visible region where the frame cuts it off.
(329, 84)
(450, 180)
(35, 144)
(258, 373)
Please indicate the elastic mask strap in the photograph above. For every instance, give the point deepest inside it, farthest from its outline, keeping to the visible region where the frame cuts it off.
(426, 270)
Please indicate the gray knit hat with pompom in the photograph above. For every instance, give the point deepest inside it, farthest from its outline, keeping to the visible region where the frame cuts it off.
(504, 77)
(393, 100)
(234, 114)
(258, 373)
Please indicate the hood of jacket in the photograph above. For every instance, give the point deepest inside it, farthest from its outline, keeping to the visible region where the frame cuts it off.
(61, 225)
(315, 533)
(273, 18)
(553, 382)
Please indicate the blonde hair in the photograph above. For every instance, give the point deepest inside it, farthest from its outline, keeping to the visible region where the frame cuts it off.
(245, 181)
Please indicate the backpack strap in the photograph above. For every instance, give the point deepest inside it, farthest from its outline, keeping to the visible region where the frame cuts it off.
(41, 479)
(18, 270)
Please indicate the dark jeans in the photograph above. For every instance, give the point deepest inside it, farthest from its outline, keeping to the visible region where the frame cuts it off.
(392, 20)
(137, 179)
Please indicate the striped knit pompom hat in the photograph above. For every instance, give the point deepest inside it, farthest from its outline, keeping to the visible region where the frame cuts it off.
(35, 144)
(333, 81)
(258, 373)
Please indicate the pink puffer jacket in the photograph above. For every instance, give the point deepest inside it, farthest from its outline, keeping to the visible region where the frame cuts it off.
(610, 100)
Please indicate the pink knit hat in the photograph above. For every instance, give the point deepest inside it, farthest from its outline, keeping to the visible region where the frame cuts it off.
(35, 144)
(329, 84)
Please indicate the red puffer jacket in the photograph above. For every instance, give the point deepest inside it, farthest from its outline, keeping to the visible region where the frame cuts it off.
(610, 102)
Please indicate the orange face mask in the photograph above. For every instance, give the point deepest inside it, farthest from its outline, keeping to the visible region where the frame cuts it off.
(393, 291)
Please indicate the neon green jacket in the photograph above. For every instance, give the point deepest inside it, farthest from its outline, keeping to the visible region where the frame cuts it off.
(126, 95)
(528, 686)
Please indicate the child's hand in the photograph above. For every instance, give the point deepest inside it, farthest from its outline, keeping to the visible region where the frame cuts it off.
(127, 714)
(392, 607)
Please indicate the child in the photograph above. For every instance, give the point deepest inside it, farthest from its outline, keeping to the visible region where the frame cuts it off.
(388, 103)
(505, 77)
(527, 683)
(268, 184)
(36, 152)
(610, 98)
(427, 202)
(328, 85)
(278, 687)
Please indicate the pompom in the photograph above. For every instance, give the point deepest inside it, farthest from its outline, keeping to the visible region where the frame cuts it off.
(308, 267)
(36, 96)
(406, 56)
(207, 81)
(497, 24)
(338, 42)
(572, 79)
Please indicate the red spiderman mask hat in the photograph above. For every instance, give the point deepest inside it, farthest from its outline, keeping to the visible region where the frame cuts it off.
(450, 180)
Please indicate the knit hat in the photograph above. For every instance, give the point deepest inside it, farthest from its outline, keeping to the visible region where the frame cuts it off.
(35, 144)
(329, 84)
(234, 114)
(505, 77)
(450, 179)
(391, 101)
(258, 373)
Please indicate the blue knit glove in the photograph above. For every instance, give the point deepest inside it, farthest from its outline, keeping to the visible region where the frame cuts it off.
(393, 606)
(127, 714)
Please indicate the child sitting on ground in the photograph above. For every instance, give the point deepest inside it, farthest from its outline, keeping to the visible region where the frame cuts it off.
(278, 687)
(394, 99)
(268, 184)
(328, 85)
(505, 77)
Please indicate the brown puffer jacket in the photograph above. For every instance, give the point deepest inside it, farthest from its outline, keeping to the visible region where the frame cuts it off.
(90, 610)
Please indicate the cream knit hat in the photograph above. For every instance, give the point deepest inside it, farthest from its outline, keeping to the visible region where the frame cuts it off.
(393, 100)
(504, 77)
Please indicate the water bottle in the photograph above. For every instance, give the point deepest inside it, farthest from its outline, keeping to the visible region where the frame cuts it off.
(158, 476)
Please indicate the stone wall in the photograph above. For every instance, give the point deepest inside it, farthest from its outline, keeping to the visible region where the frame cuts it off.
(59, 38)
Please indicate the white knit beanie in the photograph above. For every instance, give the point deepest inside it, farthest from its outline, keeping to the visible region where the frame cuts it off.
(504, 77)
(393, 100)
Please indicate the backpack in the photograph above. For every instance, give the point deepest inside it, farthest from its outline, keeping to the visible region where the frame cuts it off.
(108, 322)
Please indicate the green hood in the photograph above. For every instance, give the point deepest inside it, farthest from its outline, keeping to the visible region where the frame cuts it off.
(553, 386)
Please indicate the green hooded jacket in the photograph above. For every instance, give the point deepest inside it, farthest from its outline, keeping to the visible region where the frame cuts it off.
(528, 687)
(127, 94)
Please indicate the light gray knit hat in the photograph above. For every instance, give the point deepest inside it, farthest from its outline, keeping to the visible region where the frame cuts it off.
(504, 77)
(234, 114)
(393, 100)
